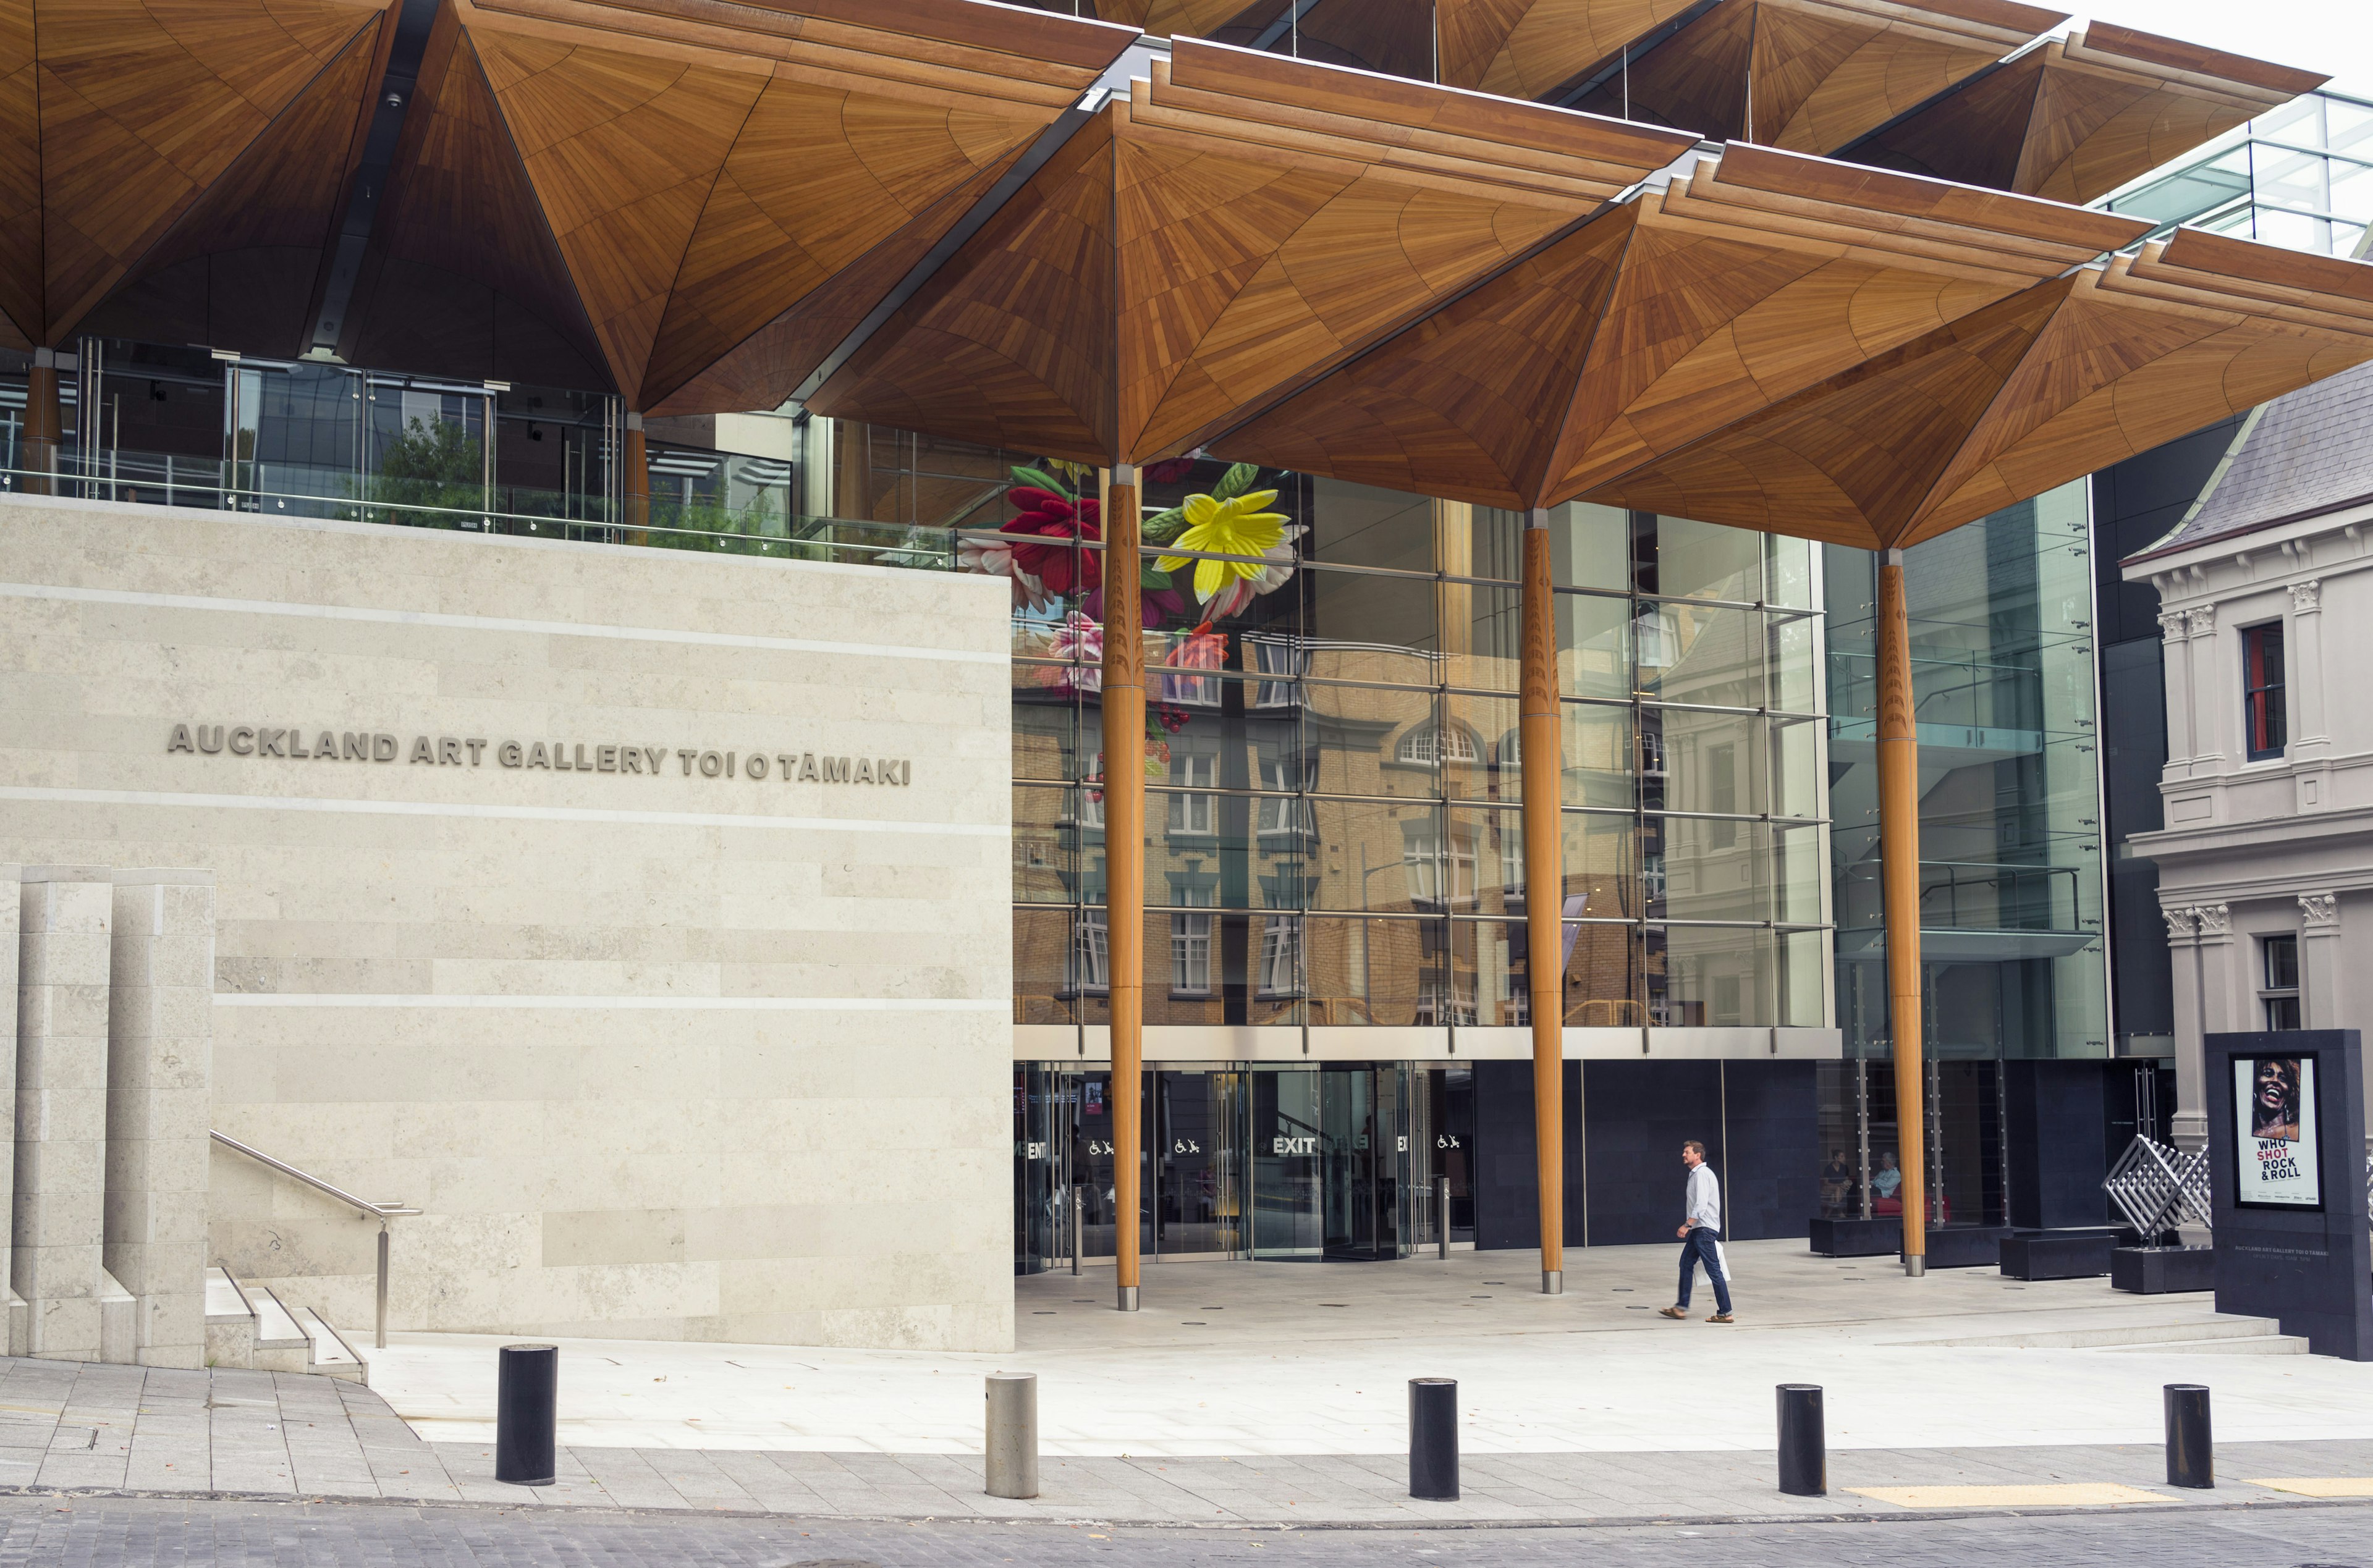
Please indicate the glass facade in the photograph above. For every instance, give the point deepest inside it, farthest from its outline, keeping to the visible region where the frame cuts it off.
(2301, 176)
(2013, 959)
(1334, 832)
(184, 427)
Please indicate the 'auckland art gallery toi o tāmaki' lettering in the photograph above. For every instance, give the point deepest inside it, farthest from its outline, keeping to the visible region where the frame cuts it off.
(301, 745)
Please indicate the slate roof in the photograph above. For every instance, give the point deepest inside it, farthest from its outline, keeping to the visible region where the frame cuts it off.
(2303, 454)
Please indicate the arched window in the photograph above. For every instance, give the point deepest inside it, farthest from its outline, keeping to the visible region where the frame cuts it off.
(1431, 745)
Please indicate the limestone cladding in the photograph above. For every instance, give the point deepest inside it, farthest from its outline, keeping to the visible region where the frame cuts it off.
(675, 1053)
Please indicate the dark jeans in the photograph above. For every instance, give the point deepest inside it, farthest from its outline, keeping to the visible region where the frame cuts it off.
(1697, 1245)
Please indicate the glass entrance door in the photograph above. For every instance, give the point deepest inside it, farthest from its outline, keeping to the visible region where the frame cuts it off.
(1330, 1160)
(1364, 1147)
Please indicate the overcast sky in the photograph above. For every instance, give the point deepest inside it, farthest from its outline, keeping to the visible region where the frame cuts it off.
(2335, 35)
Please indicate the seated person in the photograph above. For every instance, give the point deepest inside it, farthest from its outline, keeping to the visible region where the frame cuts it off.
(1837, 1181)
(1886, 1186)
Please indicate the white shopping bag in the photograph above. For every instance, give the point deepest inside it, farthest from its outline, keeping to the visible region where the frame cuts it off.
(1722, 1258)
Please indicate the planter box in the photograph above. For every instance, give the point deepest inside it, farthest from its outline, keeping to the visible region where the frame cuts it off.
(2045, 1256)
(1872, 1238)
(2162, 1270)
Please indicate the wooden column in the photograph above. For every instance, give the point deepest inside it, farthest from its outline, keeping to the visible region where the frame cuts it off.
(1124, 717)
(634, 476)
(1538, 744)
(1899, 855)
(44, 421)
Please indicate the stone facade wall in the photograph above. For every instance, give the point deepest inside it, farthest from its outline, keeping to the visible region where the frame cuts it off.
(540, 907)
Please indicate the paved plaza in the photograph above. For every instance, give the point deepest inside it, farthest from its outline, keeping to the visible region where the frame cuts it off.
(1310, 1359)
(1963, 1392)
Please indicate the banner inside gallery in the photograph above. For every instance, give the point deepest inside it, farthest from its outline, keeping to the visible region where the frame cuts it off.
(2274, 1126)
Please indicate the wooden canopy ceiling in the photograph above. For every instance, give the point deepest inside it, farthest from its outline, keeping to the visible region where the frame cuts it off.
(1812, 76)
(2074, 120)
(1780, 344)
(140, 136)
(1236, 227)
(1395, 37)
(701, 211)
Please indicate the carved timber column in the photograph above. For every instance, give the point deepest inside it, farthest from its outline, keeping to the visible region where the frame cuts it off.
(634, 476)
(1538, 746)
(1899, 860)
(1124, 716)
(44, 422)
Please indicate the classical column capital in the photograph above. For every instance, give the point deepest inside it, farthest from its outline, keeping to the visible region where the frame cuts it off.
(2203, 620)
(2174, 625)
(2307, 597)
(2215, 919)
(2321, 909)
(2181, 924)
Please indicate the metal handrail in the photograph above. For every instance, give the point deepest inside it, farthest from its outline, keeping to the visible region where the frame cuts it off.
(380, 1211)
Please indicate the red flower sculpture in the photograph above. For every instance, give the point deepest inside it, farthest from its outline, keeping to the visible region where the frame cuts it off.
(1059, 520)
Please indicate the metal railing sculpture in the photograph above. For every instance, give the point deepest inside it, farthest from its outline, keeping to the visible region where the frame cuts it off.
(2158, 1189)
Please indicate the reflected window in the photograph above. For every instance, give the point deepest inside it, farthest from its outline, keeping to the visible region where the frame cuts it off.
(1441, 867)
(1194, 815)
(1190, 946)
(1280, 956)
(1092, 799)
(1089, 967)
(1439, 1003)
(1281, 812)
(1433, 745)
(1283, 661)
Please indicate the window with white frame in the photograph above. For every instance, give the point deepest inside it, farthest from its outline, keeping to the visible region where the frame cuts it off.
(1431, 745)
(1439, 1003)
(2278, 988)
(1089, 965)
(1441, 871)
(1286, 661)
(1280, 812)
(1194, 814)
(1190, 944)
(1281, 955)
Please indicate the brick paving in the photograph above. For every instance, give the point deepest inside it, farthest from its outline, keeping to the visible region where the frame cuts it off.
(191, 1532)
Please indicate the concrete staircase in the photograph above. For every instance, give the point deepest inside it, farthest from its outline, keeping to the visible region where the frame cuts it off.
(2205, 1333)
(247, 1326)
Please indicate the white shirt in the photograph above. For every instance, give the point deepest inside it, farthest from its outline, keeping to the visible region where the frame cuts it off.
(1701, 1198)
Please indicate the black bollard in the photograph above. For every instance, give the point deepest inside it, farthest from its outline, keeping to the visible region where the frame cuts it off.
(527, 1393)
(2191, 1452)
(1433, 1439)
(1803, 1450)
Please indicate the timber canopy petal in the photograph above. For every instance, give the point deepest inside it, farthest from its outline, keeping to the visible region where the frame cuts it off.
(1747, 279)
(723, 203)
(1240, 225)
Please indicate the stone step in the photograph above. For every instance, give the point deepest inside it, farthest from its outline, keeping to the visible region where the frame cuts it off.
(332, 1357)
(280, 1343)
(2188, 1329)
(2259, 1345)
(231, 1322)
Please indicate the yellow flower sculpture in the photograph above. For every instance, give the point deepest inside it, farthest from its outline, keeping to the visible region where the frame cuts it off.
(1235, 526)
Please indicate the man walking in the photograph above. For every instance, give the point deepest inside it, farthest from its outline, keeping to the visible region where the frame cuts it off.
(1701, 1229)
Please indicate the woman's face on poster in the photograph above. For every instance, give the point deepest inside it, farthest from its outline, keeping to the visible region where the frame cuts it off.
(2274, 1087)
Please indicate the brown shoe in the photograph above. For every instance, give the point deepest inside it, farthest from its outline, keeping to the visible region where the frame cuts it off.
(1673, 1311)
(1720, 1317)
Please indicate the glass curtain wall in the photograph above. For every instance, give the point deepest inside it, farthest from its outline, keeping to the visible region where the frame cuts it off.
(2011, 892)
(1334, 829)
(183, 427)
(2301, 176)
